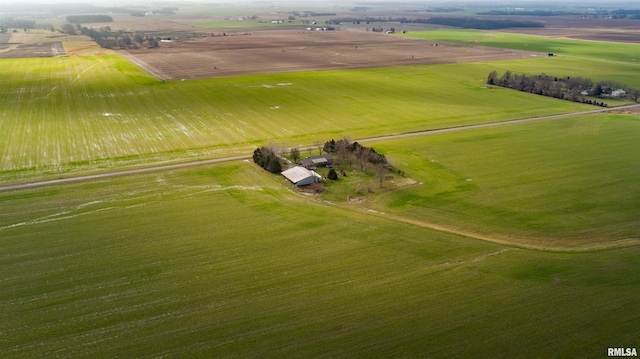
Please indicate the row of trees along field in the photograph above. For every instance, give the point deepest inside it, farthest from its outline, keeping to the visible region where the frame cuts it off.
(7, 23)
(576, 89)
(113, 39)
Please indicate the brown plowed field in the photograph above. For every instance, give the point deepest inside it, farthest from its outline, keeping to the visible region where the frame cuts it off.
(299, 50)
(46, 49)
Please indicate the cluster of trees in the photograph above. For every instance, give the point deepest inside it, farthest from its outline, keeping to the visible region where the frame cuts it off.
(349, 153)
(345, 153)
(268, 159)
(381, 29)
(483, 24)
(574, 89)
(113, 39)
(78, 19)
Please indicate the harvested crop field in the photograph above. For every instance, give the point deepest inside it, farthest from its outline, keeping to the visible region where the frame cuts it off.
(295, 51)
(46, 49)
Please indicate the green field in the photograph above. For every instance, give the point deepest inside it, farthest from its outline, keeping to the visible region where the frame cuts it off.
(224, 261)
(568, 182)
(606, 51)
(91, 113)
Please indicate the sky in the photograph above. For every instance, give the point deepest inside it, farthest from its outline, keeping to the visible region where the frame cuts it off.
(608, 3)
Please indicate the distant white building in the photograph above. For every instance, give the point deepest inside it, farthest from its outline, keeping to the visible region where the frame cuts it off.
(301, 176)
(618, 93)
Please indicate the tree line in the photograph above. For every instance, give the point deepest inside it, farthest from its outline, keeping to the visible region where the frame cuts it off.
(464, 22)
(483, 24)
(113, 39)
(576, 89)
(346, 153)
(9, 22)
(528, 13)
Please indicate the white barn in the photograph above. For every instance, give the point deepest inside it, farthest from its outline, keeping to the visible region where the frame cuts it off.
(301, 176)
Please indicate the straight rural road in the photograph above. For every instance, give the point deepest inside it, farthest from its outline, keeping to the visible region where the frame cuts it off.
(243, 157)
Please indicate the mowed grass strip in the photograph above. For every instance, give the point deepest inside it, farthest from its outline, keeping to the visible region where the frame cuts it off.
(559, 183)
(225, 262)
(91, 113)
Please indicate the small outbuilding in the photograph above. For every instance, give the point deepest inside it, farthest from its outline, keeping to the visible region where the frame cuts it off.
(301, 176)
(314, 162)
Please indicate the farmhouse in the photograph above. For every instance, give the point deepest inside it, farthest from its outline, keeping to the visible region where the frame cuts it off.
(314, 162)
(301, 176)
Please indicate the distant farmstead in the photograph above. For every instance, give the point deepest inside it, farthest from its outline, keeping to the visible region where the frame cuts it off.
(618, 93)
(301, 176)
(314, 162)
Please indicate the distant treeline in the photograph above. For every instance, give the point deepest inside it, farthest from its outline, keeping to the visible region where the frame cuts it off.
(528, 13)
(311, 13)
(464, 22)
(483, 24)
(446, 9)
(113, 39)
(9, 22)
(625, 14)
(87, 19)
(576, 89)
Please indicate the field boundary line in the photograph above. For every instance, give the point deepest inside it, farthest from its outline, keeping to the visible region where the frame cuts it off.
(494, 124)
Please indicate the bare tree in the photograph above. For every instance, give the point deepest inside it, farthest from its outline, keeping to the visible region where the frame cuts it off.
(382, 168)
(295, 154)
(319, 145)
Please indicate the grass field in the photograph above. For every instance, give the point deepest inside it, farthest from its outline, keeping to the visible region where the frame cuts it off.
(568, 182)
(607, 51)
(90, 113)
(225, 262)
